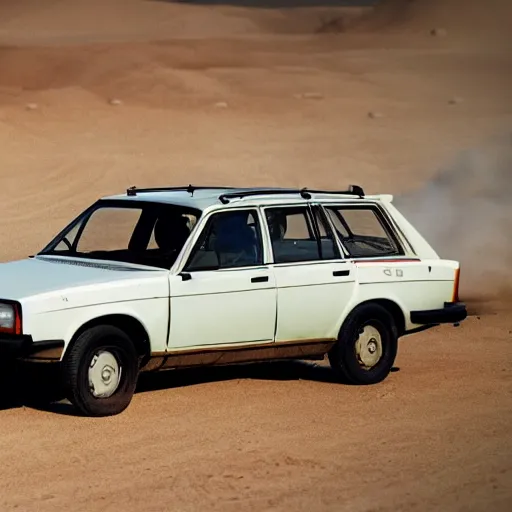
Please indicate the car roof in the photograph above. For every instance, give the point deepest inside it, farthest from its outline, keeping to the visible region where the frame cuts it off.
(206, 197)
(200, 199)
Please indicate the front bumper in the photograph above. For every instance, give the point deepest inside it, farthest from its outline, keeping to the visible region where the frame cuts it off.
(451, 313)
(23, 347)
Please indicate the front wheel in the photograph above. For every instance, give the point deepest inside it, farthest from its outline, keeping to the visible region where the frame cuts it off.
(100, 371)
(366, 347)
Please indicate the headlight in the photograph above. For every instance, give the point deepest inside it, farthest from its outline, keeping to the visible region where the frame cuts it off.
(10, 318)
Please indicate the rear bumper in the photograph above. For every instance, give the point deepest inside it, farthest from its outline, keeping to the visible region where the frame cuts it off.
(451, 313)
(23, 347)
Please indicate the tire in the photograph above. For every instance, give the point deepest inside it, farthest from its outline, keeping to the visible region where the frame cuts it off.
(114, 374)
(367, 346)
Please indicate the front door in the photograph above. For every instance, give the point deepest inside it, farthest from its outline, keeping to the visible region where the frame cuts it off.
(224, 294)
(314, 283)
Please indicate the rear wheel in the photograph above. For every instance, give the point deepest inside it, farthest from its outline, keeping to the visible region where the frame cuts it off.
(100, 371)
(367, 346)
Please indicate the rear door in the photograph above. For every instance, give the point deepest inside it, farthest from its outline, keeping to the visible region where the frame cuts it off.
(314, 282)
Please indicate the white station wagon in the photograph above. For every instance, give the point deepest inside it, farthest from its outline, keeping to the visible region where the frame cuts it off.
(188, 276)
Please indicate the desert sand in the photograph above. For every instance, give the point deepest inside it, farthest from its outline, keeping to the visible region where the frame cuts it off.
(413, 99)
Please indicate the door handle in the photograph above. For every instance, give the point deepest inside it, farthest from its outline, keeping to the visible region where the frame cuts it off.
(260, 279)
(341, 273)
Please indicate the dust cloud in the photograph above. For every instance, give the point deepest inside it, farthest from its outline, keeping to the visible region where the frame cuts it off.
(465, 212)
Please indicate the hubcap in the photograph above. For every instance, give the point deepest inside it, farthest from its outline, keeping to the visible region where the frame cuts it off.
(104, 374)
(369, 347)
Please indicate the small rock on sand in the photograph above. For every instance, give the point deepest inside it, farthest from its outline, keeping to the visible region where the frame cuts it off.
(438, 32)
(455, 100)
(31, 106)
(375, 115)
(115, 102)
(221, 104)
(309, 96)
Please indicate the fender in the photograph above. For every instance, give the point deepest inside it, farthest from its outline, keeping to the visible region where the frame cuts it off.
(151, 314)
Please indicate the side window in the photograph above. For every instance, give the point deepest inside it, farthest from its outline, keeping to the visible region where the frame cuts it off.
(363, 231)
(229, 240)
(294, 238)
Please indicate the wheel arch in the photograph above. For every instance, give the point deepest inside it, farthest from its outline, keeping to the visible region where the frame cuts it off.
(132, 327)
(391, 306)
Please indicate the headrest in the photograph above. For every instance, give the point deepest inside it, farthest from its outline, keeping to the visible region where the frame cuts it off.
(233, 233)
(171, 232)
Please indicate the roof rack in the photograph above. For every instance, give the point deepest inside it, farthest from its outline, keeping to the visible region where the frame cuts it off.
(133, 191)
(305, 193)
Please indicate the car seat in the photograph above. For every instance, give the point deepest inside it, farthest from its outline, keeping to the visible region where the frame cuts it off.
(236, 243)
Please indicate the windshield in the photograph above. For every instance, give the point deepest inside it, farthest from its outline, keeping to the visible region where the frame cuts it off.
(148, 234)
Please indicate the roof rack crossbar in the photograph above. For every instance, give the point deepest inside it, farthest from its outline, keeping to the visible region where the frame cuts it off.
(305, 193)
(353, 190)
(224, 198)
(133, 191)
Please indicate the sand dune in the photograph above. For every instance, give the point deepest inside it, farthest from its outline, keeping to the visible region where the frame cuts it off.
(218, 94)
(77, 21)
(68, 21)
(477, 22)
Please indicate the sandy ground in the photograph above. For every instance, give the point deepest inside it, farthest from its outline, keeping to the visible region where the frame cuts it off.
(223, 94)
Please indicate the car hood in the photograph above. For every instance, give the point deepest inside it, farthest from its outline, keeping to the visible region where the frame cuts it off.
(40, 275)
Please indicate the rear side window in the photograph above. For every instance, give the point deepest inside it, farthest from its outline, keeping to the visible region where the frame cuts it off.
(363, 231)
(295, 238)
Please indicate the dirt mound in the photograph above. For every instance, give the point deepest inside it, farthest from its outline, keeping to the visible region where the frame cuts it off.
(462, 17)
(92, 66)
(150, 52)
(80, 21)
(148, 73)
(68, 21)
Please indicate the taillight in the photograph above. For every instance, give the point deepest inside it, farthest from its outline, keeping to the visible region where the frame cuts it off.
(456, 282)
(18, 329)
